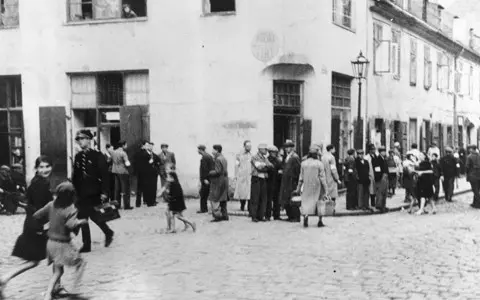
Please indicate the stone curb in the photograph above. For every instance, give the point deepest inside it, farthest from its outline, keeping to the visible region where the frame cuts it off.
(354, 213)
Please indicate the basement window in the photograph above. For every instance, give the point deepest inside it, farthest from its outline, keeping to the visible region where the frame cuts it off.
(90, 10)
(219, 6)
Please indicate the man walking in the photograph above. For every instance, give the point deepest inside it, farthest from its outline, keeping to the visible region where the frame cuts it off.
(206, 164)
(260, 168)
(449, 170)
(290, 177)
(380, 169)
(273, 184)
(166, 158)
(472, 168)
(91, 182)
(120, 166)
(243, 175)
(147, 165)
(219, 185)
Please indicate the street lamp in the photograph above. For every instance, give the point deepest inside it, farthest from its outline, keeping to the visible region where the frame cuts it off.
(360, 71)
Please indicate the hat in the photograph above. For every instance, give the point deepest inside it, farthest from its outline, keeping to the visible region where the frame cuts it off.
(382, 149)
(396, 144)
(313, 149)
(64, 190)
(272, 149)
(371, 147)
(448, 149)
(164, 146)
(84, 134)
(262, 146)
(201, 147)
(351, 152)
(360, 151)
(474, 147)
(289, 143)
(315, 146)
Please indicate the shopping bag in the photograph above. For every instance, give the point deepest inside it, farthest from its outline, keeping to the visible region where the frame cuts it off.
(106, 212)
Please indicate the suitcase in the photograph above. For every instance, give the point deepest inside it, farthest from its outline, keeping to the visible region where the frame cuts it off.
(106, 212)
(326, 207)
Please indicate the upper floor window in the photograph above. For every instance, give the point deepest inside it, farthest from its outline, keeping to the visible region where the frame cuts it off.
(413, 62)
(443, 71)
(88, 10)
(9, 16)
(343, 13)
(219, 6)
(381, 49)
(427, 72)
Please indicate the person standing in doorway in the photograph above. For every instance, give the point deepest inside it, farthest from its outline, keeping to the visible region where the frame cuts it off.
(243, 175)
(472, 168)
(166, 158)
(290, 177)
(331, 173)
(363, 179)
(122, 176)
(380, 169)
(351, 180)
(449, 170)
(147, 165)
(219, 185)
(273, 184)
(206, 164)
(90, 179)
(260, 168)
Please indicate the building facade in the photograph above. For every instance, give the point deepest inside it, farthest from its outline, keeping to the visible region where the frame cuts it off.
(182, 73)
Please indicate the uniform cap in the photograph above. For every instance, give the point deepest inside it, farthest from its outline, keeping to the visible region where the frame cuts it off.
(262, 146)
(84, 134)
(164, 146)
(201, 147)
(272, 149)
(382, 148)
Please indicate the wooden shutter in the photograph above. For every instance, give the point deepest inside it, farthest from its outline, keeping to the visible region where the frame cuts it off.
(306, 135)
(404, 141)
(132, 125)
(53, 140)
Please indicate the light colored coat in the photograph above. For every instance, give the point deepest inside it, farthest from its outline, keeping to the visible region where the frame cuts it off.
(243, 175)
(371, 175)
(331, 174)
(313, 180)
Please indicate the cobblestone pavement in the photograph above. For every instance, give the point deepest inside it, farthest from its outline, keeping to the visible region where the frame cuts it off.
(391, 256)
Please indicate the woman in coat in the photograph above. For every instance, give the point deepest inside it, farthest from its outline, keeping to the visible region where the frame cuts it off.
(331, 172)
(311, 184)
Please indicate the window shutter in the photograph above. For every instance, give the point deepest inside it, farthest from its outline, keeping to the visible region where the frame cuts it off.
(207, 7)
(11, 15)
(136, 89)
(306, 135)
(84, 91)
(413, 62)
(394, 58)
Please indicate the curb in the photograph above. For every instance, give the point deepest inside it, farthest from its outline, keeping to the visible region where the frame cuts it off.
(355, 213)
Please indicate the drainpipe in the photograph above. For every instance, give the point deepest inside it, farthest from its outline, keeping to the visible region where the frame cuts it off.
(455, 97)
(365, 116)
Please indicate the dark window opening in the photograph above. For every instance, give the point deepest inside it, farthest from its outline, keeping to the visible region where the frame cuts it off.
(111, 89)
(287, 97)
(138, 7)
(87, 9)
(222, 6)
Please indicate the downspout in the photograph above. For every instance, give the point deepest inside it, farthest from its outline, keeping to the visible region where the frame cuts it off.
(365, 117)
(455, 97)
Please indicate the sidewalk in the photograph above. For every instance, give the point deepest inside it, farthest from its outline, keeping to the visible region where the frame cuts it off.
(394, 203)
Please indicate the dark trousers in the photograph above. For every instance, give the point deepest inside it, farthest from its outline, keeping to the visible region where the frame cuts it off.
(352, 198)
(122, 189)
(85, 213)
(111, 191)
(204, 192)
(363, 195)
(475, 184)
(436, 185)
(273, 205)
(258, 198)
(448, 186)
(392, 182)
(293, 211)
(147, 184)
(223, 207)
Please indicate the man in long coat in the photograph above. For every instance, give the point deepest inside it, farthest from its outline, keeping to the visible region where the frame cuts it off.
(291, 174)
(147, 167)
(206, 164)
(449, 170)
(243, 175)
(331, 173)
(219, 185)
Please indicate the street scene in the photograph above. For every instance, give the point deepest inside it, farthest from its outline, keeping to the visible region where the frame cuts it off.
(238, 149)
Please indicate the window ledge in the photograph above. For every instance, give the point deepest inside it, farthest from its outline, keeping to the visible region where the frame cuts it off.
(9, 27)
(220, 14)
(344, 27)
(107, 21)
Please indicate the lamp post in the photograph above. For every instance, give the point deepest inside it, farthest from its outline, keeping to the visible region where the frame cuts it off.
(360, 71)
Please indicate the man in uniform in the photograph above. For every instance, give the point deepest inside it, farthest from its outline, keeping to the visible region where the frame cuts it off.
(91, 180)
(206, 164)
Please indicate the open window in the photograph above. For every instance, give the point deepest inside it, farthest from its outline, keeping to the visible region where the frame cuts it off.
(88, 10)
(381, 50)
(219, 6)
(9, 16)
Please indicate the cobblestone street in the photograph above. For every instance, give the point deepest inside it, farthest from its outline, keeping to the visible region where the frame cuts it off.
(391, 256)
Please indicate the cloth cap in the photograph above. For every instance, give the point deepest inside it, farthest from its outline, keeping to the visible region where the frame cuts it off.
(448, 149)
(396, 144)
(371, 147)
(262, 146)
(164, 146)
(313, 149)
(272, 149)
(84, 134)
(289, 143)
(381, 149)
(201, 147)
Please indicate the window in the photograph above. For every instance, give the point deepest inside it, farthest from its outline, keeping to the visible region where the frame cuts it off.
(381, 50)
(427, 75)
(88, 10)
(396, 42)
(341, 91)
(470, 81)
(286, 94)
(413, 62)
(9, 16)
(462, 76)
(219, 6)
(343, 13)
(443, 71)
(11, 120)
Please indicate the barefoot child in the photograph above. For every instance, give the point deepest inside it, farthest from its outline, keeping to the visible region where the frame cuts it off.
(176, 203)
(62, 216)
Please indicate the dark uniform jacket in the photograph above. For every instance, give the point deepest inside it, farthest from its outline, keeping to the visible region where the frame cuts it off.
(90, 177)
(143, 166)
(473, 167)
(290, 177)
(350, 169)
(380, 167)
(363, 171)
(206, 164)
(449, 166)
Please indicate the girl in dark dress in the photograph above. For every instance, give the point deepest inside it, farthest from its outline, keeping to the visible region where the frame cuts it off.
(425, 184)
(176, 202)
(31, 244)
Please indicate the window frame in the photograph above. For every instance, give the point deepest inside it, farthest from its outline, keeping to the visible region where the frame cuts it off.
(338, 84)
(339, 17)
(71, 22)
(378, 40)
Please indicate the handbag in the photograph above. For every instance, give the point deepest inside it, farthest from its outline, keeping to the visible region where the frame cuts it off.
(327, 207)
(106, 212)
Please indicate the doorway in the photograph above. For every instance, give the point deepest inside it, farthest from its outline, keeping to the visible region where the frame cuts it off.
(287, 103)
(109, 135)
